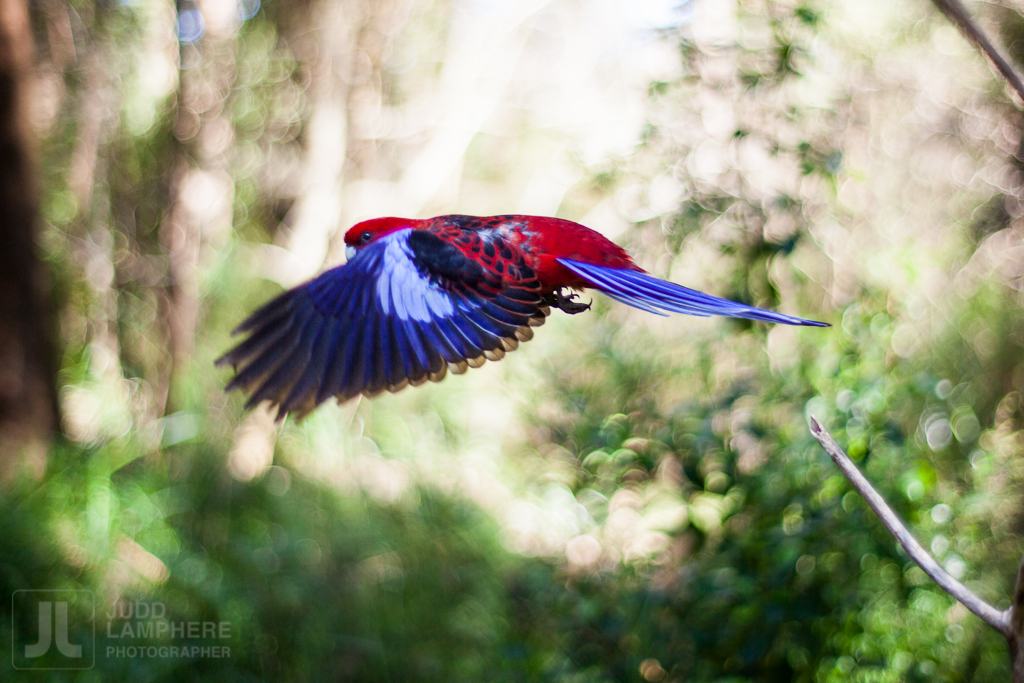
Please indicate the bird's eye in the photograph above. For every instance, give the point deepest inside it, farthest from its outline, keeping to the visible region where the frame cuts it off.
(365, 236)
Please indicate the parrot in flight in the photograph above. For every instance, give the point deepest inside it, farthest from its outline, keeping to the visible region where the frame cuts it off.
(419, 298)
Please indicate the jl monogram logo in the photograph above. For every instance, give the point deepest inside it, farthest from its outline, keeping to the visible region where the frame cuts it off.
(34, 648)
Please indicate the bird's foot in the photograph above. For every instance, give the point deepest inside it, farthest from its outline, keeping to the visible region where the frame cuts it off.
(566, 303)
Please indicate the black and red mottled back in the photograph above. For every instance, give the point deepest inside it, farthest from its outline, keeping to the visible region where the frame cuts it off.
(493, 242)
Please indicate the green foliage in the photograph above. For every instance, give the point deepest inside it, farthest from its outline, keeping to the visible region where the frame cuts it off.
(314, 585)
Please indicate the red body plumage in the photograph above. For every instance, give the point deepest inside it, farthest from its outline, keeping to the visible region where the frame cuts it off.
(541, 239)
(419, 298)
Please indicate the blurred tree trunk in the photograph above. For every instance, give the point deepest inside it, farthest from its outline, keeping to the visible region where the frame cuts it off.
(201, 191)
(28, 406)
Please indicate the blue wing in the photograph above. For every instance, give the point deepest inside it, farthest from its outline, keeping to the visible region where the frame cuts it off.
(641, 290)
(402, 311)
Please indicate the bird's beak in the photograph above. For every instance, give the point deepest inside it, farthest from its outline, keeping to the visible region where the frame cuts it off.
(350, 252)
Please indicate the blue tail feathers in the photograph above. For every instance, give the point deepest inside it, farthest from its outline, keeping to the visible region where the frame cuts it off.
(641, 290)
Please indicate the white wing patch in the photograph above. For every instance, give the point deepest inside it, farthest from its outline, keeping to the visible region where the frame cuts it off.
(401, 287)
(506, 231)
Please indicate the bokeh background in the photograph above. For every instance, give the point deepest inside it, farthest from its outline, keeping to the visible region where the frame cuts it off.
(625, 498)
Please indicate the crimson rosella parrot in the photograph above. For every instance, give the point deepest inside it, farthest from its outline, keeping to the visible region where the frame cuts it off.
(419, 298)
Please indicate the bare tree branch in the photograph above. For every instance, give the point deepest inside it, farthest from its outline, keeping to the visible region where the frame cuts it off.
(956, 13)
(1015, 622)
(1000, 621)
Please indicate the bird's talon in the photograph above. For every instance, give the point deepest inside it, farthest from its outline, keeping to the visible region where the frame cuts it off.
(566, 303)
